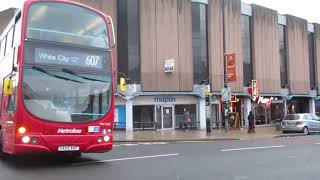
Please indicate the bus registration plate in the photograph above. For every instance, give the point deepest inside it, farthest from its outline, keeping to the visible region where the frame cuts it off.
(68, 148)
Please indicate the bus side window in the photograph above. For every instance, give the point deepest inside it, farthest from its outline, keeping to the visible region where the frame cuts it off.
(0, 94)
(9, 40)
(3, 47)
(17, 35)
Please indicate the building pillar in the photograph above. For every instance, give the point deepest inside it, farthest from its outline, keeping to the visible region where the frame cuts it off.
(129, 116)
(312, 106)
(247, 107)
(202, 114)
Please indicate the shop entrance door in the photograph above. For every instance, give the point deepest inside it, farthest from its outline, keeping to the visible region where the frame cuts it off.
(164, 116)
(167, 117)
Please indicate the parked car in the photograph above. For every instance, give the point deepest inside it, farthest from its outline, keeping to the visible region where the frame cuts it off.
(305, 123)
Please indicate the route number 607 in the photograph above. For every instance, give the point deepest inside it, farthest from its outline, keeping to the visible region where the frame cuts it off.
(92, 60)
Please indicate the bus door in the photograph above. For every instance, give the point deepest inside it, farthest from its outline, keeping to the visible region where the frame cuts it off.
(7, 111)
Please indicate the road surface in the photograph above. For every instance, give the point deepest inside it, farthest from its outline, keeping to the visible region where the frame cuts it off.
(293, 158)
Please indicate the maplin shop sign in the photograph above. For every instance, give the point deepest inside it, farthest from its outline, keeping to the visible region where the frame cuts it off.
(164, 99)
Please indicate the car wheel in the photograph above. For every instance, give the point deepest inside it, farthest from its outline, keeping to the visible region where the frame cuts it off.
(284, 132)
(305, 131)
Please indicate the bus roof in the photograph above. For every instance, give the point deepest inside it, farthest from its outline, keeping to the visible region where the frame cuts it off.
(7, 4)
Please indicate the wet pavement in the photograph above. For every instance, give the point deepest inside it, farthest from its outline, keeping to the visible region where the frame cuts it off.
(195, 135)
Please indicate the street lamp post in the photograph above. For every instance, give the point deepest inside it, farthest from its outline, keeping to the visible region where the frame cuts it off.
(226, 103)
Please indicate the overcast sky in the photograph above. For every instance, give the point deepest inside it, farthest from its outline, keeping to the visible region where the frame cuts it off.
(307, 9)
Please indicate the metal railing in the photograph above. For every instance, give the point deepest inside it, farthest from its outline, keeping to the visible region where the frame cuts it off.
(154, 125)
(144, 125)
(191, 125)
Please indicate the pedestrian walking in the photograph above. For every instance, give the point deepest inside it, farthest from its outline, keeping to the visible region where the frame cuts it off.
(251, 122)
(186, 119)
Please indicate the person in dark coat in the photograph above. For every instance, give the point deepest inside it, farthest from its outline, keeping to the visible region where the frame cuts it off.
(186, 119)
(251, 122)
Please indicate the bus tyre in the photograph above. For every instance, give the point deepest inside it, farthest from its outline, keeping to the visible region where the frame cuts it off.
(76, 154)
(0, 137)
(1, 141)
(73, 155)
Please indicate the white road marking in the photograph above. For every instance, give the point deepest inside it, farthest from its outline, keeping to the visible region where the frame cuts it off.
(124, 159)
(129, 144)
(152, 143)
(317, 143)
(159, 143)
(196, 141)
(146, 143)
(252, 148)
(142, 143)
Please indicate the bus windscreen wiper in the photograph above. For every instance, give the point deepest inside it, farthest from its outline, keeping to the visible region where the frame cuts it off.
(53, 75)
(80, 76)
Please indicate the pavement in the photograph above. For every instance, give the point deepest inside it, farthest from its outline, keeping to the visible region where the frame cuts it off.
(197, 135)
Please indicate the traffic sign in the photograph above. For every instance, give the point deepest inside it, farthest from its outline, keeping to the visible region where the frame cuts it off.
(231, 67)
(255, 91)
(226, 94)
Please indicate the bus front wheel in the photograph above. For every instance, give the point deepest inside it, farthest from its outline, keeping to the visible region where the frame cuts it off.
(72, 155)
(1, 141)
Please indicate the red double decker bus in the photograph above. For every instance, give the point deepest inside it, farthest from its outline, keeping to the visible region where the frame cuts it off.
(56, 79)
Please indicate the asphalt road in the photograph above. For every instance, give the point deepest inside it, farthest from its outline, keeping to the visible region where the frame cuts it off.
(275, 159)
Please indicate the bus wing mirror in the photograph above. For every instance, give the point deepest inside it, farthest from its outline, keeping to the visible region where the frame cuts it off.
(123, 85)
(7, 88)
(113, 33)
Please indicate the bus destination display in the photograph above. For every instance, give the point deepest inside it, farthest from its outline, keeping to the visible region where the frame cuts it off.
(68, 58)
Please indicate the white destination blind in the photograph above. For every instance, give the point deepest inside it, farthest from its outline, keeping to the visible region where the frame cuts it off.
(68, 58)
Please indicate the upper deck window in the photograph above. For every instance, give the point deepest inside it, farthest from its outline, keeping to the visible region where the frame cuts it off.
(66, 23)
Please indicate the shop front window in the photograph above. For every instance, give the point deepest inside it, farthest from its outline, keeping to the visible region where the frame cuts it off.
(261, 114)
(181, 110)
(277, 111)
(298, 105)
(143, 117)
(269, 110)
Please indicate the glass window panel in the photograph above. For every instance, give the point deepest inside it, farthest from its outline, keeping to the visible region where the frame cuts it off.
(143, 117)
(76, 99)
(246, 49)
(3, 47)
(17, 33)
(283, 57)
(68, 24)
(181, 111)
(129, 39)
(9, 40)
(312, 64)
(199, 43)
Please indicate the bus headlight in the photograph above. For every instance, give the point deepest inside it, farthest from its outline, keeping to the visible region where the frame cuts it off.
(106, 138)
(26, 139)
(22, 130)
